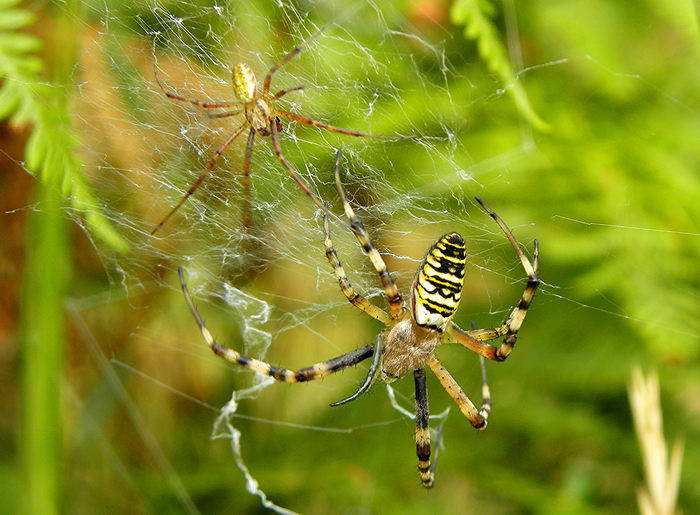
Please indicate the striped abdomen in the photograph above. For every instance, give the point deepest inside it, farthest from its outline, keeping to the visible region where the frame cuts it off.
(438, 284)
(244, 83)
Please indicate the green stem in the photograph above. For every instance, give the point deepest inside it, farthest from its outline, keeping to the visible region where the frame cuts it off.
(45, 280)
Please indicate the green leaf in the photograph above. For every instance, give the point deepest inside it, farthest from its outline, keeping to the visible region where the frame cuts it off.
(15, 19)
(19, 43)
(474, 16)
(26, 98)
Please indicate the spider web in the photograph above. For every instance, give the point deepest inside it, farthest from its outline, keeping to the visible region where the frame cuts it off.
(373, 69)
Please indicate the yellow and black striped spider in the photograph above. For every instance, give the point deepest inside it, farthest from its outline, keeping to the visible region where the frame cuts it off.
(412, 333)
(261, 116)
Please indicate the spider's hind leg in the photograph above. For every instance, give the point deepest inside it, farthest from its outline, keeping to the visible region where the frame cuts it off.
(427, 472)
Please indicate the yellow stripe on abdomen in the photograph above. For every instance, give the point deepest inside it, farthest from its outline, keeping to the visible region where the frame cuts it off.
(438, 285)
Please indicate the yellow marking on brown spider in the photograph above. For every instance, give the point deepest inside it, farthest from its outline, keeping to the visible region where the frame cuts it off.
(244, 83)
(261, 116)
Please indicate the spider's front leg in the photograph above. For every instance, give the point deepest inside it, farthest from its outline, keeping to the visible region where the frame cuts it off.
(357, 227)
(473, 340)
(175, 96)
(291, 55)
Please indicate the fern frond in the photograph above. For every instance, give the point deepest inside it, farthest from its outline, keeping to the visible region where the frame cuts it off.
(475, 16)
(27, 99)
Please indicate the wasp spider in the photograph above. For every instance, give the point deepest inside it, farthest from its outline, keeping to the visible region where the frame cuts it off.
(260, 116)
(412, 332)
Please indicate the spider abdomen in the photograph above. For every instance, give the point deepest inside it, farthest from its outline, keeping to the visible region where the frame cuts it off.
(437, 287)
(244, 83)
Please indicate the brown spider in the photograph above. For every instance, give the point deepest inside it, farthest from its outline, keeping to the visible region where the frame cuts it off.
(261, 116)
(412, 333)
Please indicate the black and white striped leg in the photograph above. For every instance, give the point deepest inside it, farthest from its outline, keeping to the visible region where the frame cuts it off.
(512, 325)
(427, 473)
(486, 405)
(509, 329)
(392, 292)
(355, 298)
(316, 371)
(485, 409)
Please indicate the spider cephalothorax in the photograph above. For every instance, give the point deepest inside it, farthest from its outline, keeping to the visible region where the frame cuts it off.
(261, 116)
(412, 335)
(258, 110)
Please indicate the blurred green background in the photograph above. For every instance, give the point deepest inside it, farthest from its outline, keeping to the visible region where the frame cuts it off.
(577, 121)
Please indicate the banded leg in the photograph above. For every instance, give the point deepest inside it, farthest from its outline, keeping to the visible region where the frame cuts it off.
(246, 216)
(316, 371)
(203, 175)
(486, 405)
(355, 298)
(292, 54)
(509, 329)
(512, 325)
(321, 125)
(476, 419)
(427, 473)
(392, 292)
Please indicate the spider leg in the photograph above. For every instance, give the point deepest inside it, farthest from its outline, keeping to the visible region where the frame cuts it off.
(355, 298)
(316, 371)
(371, 374)
(198, 103)
(427, 473)
(278, 152)
(475, 416)
(392, 292)
(247, 218)
(283, 92)
(509, 329)
(321, 125)
(292, 54)
(203, 175)
(223, 115)
(486, 406)
(456, 334)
